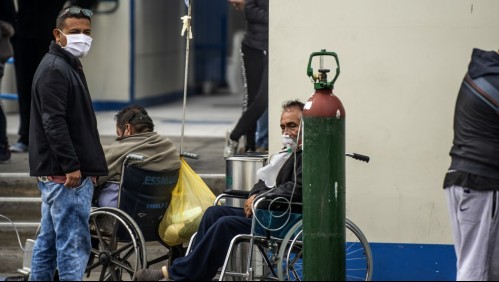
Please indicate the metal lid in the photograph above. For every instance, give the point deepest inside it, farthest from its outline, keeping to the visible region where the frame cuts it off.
(248, 157)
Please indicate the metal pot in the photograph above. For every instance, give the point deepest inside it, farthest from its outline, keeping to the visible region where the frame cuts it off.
(241, 170)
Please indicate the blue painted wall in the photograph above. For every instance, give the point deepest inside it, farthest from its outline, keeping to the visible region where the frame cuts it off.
(210, 43)
(413, 262)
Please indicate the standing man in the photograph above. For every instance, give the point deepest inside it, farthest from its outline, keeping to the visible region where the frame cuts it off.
(64, 150)
(35, 22)
(472, 182)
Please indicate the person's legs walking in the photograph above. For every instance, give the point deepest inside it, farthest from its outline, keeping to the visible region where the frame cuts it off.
(4, 142)
(35, 22)
(250, 117)
(254, 112)
(255, 63)
(26, 61)
(262, 129)
(262, 133)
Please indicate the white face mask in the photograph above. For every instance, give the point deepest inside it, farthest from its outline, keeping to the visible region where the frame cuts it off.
(289, 142)
(77, 44)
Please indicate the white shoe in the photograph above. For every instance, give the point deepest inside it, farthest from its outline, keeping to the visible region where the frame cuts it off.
(230, 146)
(18, 148)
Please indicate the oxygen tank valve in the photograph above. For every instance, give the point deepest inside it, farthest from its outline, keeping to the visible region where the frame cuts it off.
(323, 75)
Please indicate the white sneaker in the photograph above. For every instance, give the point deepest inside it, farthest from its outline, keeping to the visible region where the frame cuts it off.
(230, 146)
(18, 148)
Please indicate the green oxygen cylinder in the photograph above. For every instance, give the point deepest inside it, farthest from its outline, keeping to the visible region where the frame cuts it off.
(323, 179)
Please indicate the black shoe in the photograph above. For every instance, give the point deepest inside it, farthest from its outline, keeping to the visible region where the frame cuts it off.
(17, 278)
(4, 152)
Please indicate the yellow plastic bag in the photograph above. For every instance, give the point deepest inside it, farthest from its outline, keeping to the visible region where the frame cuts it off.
(190, 198)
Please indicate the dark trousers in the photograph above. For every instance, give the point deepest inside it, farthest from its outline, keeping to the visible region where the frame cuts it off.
(217, 228)
(3, 120)
(34, 27)
(3, 128)
(256, 72)
(28, 54)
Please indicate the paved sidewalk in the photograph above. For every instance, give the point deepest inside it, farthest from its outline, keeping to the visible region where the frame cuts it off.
(207, 117)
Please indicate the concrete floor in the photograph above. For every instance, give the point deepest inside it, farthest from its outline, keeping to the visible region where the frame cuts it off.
(207, 118)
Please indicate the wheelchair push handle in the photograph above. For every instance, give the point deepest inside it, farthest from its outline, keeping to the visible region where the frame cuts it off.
(358, 157)
(135, 157)
(190, 155)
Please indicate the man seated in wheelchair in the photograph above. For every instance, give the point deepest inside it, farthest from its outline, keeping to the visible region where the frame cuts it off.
(135, 130)
(220, 224)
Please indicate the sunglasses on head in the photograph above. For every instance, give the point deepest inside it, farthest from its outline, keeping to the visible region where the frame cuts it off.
(76, 11)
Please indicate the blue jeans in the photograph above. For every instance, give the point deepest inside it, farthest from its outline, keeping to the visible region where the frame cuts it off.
(64, 239)
(262, 131)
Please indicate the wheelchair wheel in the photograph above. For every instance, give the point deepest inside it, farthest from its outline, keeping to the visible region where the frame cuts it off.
(359, 265)
(357, 250)
(118, 246)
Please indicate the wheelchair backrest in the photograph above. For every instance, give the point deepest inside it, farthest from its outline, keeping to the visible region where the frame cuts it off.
(145, 195)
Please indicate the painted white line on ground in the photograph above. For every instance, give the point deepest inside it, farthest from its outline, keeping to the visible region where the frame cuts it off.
(14, 174)
(20, 224)
(20, 199)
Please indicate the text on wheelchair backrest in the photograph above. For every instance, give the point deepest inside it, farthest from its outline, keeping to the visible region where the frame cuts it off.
(160, 180)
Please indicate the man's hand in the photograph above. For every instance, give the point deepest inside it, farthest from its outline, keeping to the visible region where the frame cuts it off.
(237, 4)
(248, 206)
(73, 179)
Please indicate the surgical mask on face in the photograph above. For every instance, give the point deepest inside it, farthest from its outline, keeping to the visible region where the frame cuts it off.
(78, 44)
(289, 142)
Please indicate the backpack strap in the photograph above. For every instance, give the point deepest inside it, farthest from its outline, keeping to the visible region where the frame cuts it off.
(484, 90)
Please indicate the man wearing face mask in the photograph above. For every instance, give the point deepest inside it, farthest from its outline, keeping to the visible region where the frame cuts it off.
(135, 130)
(220, 224)
(65, 153)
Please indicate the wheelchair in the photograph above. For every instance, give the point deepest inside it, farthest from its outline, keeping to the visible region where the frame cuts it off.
(273, 250)
(120, 236)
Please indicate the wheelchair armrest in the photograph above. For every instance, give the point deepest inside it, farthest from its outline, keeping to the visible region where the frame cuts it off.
(238, 194)
(266, 202)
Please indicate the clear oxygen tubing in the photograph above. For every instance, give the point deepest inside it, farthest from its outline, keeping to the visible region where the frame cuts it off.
(287, 212)
(15, 228)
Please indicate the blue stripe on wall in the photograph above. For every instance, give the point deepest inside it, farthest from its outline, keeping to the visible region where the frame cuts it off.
(413, 262)
(109, 105)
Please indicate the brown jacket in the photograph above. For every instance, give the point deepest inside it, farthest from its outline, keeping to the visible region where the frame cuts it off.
(160, 154)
